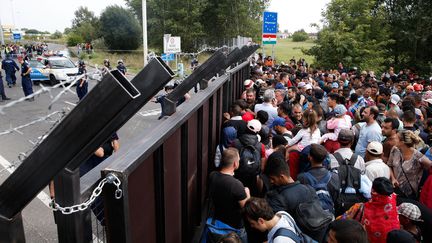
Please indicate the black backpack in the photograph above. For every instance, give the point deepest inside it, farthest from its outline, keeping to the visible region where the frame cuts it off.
(250, 160)
(349, 176)
(321, 190)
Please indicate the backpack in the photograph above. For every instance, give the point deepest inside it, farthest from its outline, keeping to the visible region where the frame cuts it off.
(312, 217)
(349, 176)
(250, 161)
(215, 230)
(321, 190)
(300, 237)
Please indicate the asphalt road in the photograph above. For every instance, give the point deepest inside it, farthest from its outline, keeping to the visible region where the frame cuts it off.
(38, 218)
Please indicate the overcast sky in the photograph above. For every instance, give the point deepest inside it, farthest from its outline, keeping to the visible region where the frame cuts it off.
(52, 15)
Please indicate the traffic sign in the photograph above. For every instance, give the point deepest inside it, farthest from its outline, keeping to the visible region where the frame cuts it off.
(172, 44)
(168, 57)
(269, 28)
(17, 36)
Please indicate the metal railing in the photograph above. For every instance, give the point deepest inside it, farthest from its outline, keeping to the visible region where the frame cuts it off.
(161, 175)
(165, 174)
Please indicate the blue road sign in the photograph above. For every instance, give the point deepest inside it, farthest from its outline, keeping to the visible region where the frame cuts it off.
(168, 57)
(17, 36)
(270, 23)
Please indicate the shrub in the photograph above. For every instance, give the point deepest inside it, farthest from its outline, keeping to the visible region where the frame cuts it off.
(73, 39)
(300, 35)
(120, 29)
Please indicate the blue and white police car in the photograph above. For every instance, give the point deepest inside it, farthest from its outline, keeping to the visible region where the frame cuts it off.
(53, 69)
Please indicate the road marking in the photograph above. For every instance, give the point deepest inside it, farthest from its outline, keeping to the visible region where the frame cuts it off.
(153, 112)
(45, 198)
(70, 103)
(41, 196)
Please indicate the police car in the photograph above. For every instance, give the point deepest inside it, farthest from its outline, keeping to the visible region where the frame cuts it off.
(53, 69)
(39, 71)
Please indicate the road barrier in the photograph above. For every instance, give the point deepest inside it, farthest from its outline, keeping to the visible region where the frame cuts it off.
(154, 188)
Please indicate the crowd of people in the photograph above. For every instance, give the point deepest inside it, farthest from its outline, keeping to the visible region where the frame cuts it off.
(16, 49)
(310, 155)
(85, 47)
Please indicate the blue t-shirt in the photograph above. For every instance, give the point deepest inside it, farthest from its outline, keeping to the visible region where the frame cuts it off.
(368, 134)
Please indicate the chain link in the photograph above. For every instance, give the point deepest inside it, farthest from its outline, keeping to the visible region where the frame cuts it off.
(110, 179)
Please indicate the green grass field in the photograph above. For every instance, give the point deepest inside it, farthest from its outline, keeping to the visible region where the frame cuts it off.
(285, 49)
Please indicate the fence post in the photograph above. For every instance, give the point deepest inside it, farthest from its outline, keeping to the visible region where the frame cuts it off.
(75, 227)
(12, 230)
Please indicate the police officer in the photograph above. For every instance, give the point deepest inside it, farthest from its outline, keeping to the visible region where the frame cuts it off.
(25, 79)
(10, 68)
(2, 91)
(121, 67)
(82, 85)
(107, 64)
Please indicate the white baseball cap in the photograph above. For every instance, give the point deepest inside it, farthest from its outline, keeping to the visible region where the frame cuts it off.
(254, 125)
(375, 148)
(248, 83)
(394, 99)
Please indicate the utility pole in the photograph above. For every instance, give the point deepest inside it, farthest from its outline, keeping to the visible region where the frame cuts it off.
(1, 33)
(144, 23)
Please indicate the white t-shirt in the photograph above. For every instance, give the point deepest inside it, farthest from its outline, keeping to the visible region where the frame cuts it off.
(304, 138)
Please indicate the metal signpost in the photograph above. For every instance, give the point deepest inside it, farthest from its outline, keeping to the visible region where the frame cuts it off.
(172, 45)
(270, 30)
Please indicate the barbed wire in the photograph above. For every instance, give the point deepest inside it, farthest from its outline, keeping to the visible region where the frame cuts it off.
(17, 129)
(23, 155)
(66, 85)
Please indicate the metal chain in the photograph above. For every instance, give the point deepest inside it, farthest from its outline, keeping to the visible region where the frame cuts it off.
(110, 179)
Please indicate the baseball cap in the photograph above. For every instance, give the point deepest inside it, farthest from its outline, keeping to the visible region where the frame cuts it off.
(410, 211)
(278, 121)
(301, 84)
(247, 116)
(248, 83)
(375, 148)
(394, 99)
(254, 125)
(418, 87)
(346, 135)
(335, 85)
(340, 110)
(308, 86)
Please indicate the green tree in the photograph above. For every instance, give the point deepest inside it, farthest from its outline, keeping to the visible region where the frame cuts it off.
(67, 31)
(57, 35)
(83, 15)
(355, 32)
(300, 35)
(120, 29)
(411, 28)
(87, 31)
(196, 21)
(33, 31)
(73, 39)
(85, 24)
(226, 19)
(175, 17)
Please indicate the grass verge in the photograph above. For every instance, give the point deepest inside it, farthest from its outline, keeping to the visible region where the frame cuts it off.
(285, 49)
